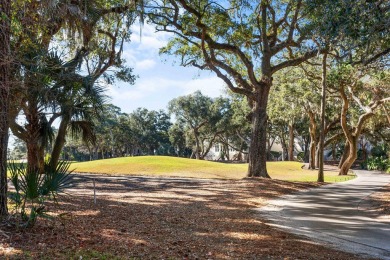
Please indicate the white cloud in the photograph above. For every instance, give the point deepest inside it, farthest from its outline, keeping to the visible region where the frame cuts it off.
(144, 88)
(129, 55)
(142, 52)
(147, 38)
(119, 95)
(211, 86)
(145, 64)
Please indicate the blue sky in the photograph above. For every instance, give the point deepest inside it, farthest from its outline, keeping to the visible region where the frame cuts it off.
(160, 77)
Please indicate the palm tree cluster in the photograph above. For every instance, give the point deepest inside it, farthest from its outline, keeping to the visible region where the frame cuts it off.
(64, 50)
(63, 53)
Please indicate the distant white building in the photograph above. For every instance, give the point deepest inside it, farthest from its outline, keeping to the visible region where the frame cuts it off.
(217, 153)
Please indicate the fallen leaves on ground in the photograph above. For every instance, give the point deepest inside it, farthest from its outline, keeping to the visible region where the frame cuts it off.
(380, 202)
(163, 218)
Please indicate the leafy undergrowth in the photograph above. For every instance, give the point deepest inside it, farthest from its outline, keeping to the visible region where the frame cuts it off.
(155, 218)
(188, 168)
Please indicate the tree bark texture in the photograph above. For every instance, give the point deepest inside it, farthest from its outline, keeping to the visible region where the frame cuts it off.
(322, 124)
(197, 143)
(5, 67)
(257, 150)
(352, 136)
(291, 141)
(306, 149)
(352, 155)
(284, 147)
(33, 139)
(313, 141)
(345, 154)
(317, 156)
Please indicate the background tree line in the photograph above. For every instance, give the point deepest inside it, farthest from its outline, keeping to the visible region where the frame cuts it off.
(195, 123)
(200, 122)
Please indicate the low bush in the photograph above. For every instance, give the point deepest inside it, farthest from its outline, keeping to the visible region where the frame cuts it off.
(33, 190)
(378, 163)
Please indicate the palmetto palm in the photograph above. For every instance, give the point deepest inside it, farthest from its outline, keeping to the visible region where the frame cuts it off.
(79, 101)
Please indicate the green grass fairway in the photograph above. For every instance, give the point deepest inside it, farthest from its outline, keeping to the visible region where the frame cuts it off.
(182, 167)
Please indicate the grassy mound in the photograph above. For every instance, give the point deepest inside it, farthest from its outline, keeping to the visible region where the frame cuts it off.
(182, 167)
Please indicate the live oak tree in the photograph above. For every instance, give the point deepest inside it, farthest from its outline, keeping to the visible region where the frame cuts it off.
(216, 129)
(294, 87)
(5, 81)
(245, 43)
(233, 128)
(106, 126)
(140, 132)
(239, 127)
(358, 32)
(177, 138)
(297, 95)
(195, 112)
(287, 98)
(365, 90)
(149, 129)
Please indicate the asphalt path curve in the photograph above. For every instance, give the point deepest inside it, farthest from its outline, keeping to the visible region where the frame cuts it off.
(337, 215)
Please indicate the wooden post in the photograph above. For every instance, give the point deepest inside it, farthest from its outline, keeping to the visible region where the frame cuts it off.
(94, 191)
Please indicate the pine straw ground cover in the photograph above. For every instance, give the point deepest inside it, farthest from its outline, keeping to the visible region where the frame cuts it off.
(380, 203)
(156, 218)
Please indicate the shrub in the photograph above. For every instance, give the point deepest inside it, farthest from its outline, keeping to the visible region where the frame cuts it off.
(33, 190)
(274, 155)
(378, 163)
(301, 156)
(379, 151)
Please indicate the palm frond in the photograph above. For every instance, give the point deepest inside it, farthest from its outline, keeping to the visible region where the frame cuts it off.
(56, 180)
(86, 129)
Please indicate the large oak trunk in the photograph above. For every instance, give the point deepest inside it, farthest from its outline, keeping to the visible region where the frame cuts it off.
(257, 150)
(317, 157)
(284, 148)
(4, 99)
(197, 143)
(312, 155)
(345, 155)
(321, 142)
(352, 155)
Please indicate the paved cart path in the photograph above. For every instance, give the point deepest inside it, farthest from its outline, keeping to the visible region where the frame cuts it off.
(337, 215)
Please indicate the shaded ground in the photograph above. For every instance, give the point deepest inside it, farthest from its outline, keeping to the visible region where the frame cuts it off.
(380, 202)
(152, 218)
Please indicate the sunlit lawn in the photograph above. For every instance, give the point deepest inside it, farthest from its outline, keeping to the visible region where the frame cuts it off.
(182, 167)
